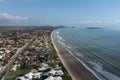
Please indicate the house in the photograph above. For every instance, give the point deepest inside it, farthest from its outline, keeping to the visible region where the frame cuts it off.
(14, 67)
(30, 76)
(44, 65)
(2, 54)
(50, 78)
(56, 72)
(7, 51)
(53, 78)
(34, 71)
(58, 78)
(21, 78)
(1, 42)
(59, 72)
(57, 67)
(1, 67)
(37, 75)
(7, 55)
(1, 57)
(43, 68)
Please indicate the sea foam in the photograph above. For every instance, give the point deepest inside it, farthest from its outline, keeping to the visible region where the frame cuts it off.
(101, 70)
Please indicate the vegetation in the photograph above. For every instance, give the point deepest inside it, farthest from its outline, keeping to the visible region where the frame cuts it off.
(18, 72)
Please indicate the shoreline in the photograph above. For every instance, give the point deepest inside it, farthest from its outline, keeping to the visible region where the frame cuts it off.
(75, 68)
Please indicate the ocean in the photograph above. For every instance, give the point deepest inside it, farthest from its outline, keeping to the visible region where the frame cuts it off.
(97, 49)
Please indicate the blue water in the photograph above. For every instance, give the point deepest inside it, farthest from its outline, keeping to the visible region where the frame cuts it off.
(99, 49)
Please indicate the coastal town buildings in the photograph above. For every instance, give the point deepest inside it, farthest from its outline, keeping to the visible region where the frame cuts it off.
(29, 55)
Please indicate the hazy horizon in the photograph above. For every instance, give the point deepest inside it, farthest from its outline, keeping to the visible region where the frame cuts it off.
(101, 13)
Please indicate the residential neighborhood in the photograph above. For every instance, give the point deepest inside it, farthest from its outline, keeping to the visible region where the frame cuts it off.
(31, 56)
(10, 42)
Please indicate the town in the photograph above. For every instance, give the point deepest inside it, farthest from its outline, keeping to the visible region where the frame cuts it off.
(28, 54)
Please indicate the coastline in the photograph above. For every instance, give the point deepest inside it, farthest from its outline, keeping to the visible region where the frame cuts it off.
(76, 70)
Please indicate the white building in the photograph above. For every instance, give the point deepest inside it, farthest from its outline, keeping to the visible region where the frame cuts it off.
(56, 72)
(53, 78)
(29, 76)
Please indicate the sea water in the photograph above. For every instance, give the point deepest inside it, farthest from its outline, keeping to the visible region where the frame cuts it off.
(97, 49)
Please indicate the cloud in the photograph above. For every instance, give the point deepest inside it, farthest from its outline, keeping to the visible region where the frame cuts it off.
(8, 19)
(6, 16)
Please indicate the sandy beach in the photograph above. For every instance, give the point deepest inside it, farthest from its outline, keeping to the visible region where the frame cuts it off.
(75, 69)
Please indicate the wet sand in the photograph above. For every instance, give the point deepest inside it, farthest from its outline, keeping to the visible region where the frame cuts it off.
(75, 69)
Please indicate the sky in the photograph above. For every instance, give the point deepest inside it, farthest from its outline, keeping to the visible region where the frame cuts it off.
(60, 12)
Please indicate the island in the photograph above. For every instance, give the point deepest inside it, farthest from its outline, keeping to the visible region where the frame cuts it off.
(93, 28)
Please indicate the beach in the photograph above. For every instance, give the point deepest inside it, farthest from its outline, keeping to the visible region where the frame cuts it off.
(75, 69)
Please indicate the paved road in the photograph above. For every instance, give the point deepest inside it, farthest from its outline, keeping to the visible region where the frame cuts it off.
(10, 63)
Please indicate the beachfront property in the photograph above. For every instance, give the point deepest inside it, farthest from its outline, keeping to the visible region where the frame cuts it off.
(55, 74)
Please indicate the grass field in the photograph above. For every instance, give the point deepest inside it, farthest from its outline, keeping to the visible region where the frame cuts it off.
(18, 72)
